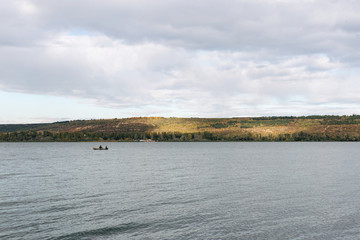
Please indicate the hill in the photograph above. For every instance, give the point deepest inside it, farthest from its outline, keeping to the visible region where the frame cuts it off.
(309, 128)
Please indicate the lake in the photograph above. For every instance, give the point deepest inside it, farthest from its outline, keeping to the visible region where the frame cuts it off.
(205, 190)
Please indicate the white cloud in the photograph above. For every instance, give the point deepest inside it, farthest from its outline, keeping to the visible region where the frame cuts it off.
(202, 58)
(26, 7)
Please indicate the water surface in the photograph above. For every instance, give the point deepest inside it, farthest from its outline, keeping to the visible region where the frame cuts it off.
(180, 191)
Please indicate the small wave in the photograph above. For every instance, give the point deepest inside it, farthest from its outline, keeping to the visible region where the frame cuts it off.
(174, 201)
(8, 175)
(42, 176)
(107, 231)
(55, 209)
(15, 203)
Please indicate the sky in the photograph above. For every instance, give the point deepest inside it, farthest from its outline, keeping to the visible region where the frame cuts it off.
(68, 60)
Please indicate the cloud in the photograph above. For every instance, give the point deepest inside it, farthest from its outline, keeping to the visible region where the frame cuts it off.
(288, 26)
(202, 58)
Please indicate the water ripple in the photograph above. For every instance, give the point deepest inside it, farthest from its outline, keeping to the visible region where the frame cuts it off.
(106, 231)
(180, 191)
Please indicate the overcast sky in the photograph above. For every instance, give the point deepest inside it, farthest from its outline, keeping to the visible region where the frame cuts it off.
(80, 59)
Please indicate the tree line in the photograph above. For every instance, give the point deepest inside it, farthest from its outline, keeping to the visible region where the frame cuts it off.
(48, 136)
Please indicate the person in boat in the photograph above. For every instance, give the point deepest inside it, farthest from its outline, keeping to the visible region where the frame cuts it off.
(106, 147)
(100, 147)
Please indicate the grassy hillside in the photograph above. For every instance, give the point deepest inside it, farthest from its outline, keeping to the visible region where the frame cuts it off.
(311, 128)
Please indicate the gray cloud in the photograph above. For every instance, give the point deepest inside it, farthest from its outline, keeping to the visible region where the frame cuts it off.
(291, 26)
(207, 58)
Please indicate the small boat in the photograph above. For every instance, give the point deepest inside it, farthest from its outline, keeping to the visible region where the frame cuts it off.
(105, 148)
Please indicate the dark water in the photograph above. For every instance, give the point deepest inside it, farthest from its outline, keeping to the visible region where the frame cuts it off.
(180, 191)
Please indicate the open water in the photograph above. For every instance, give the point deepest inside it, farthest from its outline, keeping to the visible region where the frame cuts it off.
(180, 191)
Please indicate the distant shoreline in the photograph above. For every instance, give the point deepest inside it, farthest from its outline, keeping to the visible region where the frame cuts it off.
(330, 141)
(258, 129)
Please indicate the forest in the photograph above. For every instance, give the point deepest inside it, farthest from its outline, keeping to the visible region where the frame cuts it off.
(287, 128)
